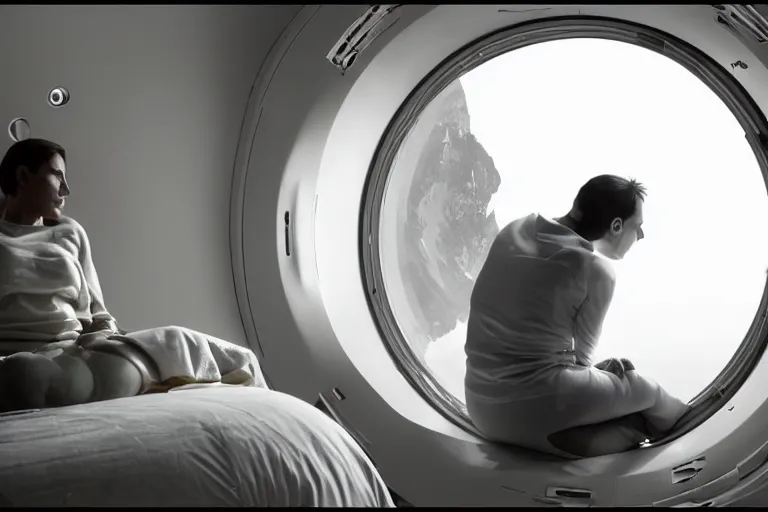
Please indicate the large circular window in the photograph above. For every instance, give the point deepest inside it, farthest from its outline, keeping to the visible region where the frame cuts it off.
(494, 135)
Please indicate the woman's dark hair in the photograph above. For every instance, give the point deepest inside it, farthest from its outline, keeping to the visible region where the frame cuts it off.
(602, 199)
(31, 153)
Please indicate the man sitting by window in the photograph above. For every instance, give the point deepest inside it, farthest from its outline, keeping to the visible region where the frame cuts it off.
(536, 314)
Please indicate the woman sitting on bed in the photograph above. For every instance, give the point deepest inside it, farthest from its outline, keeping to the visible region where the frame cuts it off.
(50, 295)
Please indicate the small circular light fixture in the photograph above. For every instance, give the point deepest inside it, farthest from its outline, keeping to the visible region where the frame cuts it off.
(19, 129)
(58, 96)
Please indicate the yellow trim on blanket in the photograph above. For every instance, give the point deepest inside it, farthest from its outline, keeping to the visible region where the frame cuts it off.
(174, 382)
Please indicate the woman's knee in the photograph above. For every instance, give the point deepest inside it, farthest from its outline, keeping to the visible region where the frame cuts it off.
(25, 381)
(176, 330)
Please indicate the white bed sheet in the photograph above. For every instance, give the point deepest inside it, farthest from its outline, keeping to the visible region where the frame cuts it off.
(202, 446)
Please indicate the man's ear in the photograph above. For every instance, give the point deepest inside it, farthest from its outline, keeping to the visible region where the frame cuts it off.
(617, 225)
(22, 175)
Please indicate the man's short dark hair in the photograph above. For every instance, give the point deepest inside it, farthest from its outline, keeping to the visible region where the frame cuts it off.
(602, 199)
(31, 153)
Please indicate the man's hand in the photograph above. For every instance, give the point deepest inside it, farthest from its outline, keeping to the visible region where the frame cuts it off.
(618, 367)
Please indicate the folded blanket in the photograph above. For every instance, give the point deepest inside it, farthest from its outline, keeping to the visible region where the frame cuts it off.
(184, 356)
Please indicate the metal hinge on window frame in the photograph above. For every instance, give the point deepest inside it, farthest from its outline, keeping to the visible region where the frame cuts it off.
(743, 20)
(688, 471)
(567, 497)
(719, 489)
(702, 495)
(360, 35)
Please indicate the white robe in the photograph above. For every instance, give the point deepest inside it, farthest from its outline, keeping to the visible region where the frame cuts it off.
(536, 314)
(50, 291)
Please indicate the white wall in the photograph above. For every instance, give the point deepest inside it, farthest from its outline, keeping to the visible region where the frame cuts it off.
(158, 95)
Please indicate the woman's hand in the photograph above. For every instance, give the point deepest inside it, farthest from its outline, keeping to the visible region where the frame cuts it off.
(618, 367)
(87, 340)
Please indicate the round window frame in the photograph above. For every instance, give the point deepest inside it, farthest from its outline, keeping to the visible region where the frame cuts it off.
(475, 54)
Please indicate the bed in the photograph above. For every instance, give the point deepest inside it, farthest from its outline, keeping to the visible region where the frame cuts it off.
(198, 446)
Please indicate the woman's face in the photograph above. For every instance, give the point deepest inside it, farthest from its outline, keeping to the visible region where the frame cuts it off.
(42, 193)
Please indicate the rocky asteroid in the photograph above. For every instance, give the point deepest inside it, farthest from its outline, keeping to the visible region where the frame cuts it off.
(448, 230)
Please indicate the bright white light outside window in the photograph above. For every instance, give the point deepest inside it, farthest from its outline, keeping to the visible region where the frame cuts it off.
(551, 116)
